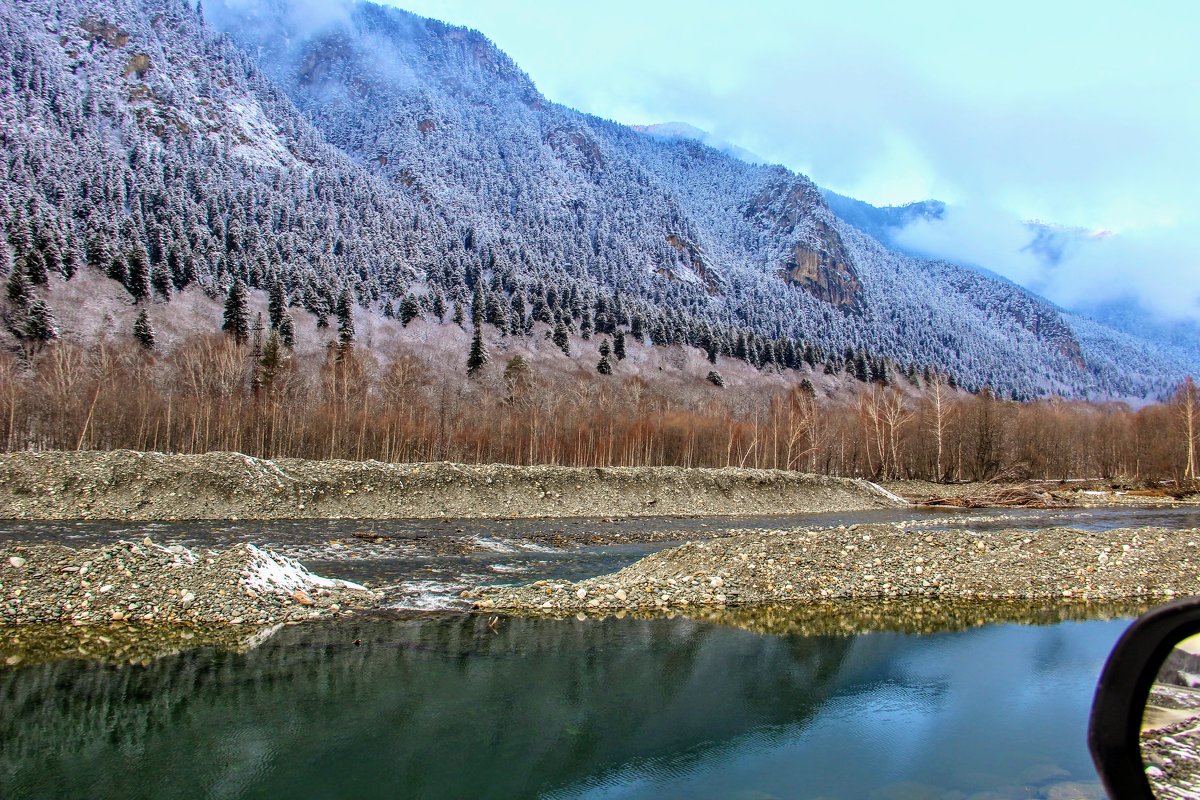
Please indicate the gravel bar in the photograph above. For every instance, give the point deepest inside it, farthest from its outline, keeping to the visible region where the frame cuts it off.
(127, 485)
(147, 583)
(879, 562)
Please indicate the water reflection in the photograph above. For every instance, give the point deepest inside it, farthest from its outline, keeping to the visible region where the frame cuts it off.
(467, 707)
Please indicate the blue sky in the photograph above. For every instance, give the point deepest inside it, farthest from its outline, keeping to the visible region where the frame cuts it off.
(1082, 114)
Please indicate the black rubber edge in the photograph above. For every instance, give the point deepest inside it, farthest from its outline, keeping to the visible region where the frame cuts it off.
(1121, 694)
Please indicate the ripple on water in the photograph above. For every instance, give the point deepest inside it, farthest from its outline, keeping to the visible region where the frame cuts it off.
(426, 595)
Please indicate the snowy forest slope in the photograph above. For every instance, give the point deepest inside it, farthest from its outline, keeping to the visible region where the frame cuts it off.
(396, 157)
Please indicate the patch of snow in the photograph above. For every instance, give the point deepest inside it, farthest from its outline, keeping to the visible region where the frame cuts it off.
(272, 573)
(260, 142)
(895, 498)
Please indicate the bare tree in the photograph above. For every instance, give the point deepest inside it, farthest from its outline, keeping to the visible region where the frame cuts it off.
(1187, 407)
(939, 396)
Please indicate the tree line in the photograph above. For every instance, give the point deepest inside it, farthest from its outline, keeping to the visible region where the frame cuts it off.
(245, 391)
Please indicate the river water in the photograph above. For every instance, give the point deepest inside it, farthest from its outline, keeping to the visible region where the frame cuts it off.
(453, 705)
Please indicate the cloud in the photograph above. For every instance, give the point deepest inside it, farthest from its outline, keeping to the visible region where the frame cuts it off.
(1158, 267)
(304, 17)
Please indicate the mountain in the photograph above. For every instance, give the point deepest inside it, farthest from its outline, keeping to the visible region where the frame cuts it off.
(375, 151)
(882, 223)
(682, 130)
(1049, 244)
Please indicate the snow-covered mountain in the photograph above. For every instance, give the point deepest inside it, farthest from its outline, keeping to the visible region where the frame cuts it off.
(378, 151)
(682, 130)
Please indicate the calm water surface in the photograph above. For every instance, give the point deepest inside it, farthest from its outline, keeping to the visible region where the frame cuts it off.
(452, 707)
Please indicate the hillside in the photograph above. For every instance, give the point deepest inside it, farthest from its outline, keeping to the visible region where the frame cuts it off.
(396, 157)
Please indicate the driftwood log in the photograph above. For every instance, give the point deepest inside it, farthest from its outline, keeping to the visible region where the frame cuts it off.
(1000, 497)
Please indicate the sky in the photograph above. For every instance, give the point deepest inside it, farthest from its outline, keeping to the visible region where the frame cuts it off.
(1081, 114)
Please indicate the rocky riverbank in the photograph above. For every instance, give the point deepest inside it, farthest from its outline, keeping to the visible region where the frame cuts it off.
(1040, 494)
(124, 485)
(147, 583)
(879, 562)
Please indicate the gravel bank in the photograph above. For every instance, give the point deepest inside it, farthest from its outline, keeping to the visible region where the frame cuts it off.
(880, 562)
(144, 582)
(124, 485)
(1078, 494)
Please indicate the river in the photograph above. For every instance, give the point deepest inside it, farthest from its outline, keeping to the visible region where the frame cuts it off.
(451, 705)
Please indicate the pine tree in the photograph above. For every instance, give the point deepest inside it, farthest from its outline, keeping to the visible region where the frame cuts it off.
(160, 282)
(287, 331)
(439, 307)
(879, 372)
(40, 324)
(561, 337)
(96, 252)
(35, 266)
(237, 322)
(478, 306)
(862, 373)
(604, 367)
(17, 289)
(478, 357)
(138, 282)
(710, 350)
(143, 331)
(458, 318)
(276, 304)
(345, 315)
(791, 358)
(388, 311)
(619, 345)
(118, 270)
(69, 264)
(410, 309)
(715, 379)
(271, 360)
(637, 328)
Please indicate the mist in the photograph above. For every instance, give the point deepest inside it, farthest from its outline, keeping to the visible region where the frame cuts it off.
(1157, 267)
(305, 17)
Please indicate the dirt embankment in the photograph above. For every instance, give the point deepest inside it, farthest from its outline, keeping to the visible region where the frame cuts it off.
(880, 562)
(124, 485)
